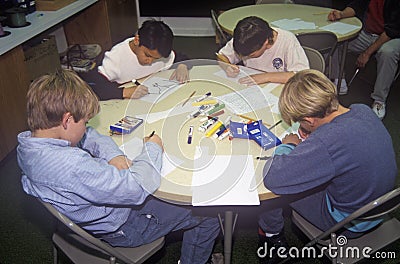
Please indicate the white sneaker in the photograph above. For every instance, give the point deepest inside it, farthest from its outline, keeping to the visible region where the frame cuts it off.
(343, 86)
(379, 109)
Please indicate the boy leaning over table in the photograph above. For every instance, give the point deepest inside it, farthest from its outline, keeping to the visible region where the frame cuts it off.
(275, 52)
(86, 176)
(147, 52)
(347, 155)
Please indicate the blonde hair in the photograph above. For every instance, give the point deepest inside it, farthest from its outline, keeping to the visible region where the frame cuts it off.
(51, 96)
(309, 93)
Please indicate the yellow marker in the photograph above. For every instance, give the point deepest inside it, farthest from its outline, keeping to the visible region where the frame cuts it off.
(214, 128)
(204, 102)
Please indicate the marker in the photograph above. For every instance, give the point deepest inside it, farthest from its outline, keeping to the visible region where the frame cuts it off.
(204, 102)
(190, 135)
(201, 98)
(277, 123)
(217, 113)
(136, 82)
(214, 128)
(207, 124)
(152, 134)
(216, 108)
(224, 135)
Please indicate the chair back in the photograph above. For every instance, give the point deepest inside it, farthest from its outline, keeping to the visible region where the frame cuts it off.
(324, 41)
(315, 59)
(83, 236)
(373, 210)
(221, 35)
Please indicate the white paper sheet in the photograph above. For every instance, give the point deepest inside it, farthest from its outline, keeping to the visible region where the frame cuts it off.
(293, 24)
(226, 180)
(244, 72)
(339, 27)
(159, 88)
(133, 148)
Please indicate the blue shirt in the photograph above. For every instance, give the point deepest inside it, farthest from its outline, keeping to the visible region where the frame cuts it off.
(353, 153)
(81, 184)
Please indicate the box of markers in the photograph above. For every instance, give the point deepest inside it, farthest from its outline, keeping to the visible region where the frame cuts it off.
(126, 125)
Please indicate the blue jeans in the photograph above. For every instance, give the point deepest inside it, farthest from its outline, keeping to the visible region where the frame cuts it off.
(156, 219)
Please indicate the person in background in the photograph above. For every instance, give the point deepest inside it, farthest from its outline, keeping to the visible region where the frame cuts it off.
(148, 52)
(86, 176)
(340, 157)
(275, 52)
(380, 36)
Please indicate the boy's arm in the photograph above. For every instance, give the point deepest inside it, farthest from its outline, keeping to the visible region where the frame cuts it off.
(99, 146)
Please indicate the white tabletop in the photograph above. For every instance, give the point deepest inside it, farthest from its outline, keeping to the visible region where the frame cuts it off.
(274, 12)
(173, 128)
(40, 22)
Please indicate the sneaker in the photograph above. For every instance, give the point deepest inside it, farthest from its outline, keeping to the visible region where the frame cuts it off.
(379, 109)
(265, 245)
(343, 86)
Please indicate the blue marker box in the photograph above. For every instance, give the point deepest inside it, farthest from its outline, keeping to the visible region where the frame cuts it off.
(262, 135)
(126, 125)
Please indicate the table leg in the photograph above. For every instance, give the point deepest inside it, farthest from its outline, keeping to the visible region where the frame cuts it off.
(342, 63)
(228, 227)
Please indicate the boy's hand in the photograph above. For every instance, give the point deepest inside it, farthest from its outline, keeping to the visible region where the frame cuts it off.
(253, 79)
(232, 70)
(135, 92)
(154, 138)
(291, 138)
(335, 15)
(120, 162)
(181, 74)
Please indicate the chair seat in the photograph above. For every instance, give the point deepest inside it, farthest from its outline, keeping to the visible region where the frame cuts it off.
(383, 235)
(79, 250)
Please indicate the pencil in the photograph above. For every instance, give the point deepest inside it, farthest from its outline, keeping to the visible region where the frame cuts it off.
(274, 125)
(321, 13)
(152, 134)
(190, 96)
(222, 58)
(246, 117)
(136, 82)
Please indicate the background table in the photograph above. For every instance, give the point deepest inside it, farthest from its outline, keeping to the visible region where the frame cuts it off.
(273, 12)
(176, 187)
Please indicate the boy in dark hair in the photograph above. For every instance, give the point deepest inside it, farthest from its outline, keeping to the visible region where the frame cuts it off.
(276, 52)
(149, 51)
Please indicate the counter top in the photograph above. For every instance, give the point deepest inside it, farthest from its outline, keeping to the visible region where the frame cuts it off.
(40, 22)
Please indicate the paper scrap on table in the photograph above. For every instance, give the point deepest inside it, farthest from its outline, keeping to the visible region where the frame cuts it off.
(248, 100)
(339, 27)
(133, 148)
(226, 180)
(293, 24)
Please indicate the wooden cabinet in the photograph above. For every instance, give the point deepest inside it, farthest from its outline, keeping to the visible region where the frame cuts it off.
(92, 25)
(123, 19)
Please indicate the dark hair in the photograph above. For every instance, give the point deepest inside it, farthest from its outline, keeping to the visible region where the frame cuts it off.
(156, 35)
(250, 34)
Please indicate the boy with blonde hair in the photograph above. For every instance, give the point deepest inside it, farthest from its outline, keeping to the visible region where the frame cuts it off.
(86, 176)
(347, 154)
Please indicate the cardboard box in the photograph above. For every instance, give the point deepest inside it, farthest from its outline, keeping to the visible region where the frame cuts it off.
(51, 5)
(42, 57)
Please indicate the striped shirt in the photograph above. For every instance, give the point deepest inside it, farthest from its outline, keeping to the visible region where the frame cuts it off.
(81, 184)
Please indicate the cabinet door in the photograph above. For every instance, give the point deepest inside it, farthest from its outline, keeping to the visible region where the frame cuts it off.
(91, 26)
(123, 19)
(14, 86)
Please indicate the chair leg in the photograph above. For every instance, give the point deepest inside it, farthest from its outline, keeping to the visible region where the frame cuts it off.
(334, 243)
(55, 255)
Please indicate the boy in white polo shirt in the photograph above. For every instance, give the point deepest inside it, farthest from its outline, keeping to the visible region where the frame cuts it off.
(275, 52)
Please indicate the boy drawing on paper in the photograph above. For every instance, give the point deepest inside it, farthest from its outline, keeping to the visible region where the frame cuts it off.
(276, 52)
(87, 177)
(149, 51)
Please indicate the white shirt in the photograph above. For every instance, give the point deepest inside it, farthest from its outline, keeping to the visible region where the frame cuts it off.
(121, 65)
(285, 55)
